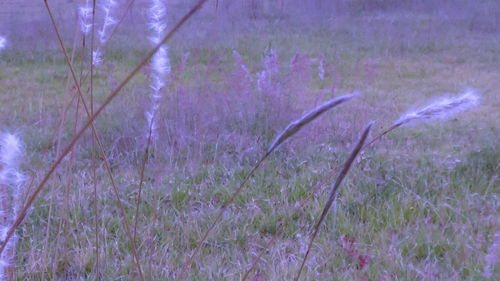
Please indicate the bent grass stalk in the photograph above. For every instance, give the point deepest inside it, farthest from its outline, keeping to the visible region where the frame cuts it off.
(296, 125)
(105, 103)
(333, 194)
(466, 98)
(289, 131)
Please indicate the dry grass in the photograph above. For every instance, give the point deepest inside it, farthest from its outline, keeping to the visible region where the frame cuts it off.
(421, 204)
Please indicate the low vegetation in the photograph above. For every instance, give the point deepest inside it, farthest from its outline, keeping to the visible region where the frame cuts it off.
(165, 200)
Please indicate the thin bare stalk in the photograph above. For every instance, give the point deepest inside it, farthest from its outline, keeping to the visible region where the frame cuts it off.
(333, 194)
(58, 137)
(66, 90)
(397, 125)
(141, 180)
(94, 164)
(289, 131)
(125, 221)
(106, 102)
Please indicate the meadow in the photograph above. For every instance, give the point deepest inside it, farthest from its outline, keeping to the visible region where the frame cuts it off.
(421, 203)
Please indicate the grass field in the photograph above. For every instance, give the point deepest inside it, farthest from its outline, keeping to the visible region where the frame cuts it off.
(420, 204)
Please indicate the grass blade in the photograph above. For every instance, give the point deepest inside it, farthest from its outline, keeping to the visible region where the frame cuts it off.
(335, 187)
(87, 124)
(296, 125)
(289, 131)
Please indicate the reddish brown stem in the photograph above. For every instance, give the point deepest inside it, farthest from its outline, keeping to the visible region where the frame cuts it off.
(94, 164)
(101, 147)
(106, 102)
(141, 181)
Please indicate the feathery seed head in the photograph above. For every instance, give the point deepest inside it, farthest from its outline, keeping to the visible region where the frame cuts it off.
(442, 108)
(160, 63)
(296, 125)
(96, 57)
(156, 15)
(242, 76)
(11, 179)
(3, 42)
(85, 13)
(108, 8)
(241, 65)
(321, 70)
(10, 150)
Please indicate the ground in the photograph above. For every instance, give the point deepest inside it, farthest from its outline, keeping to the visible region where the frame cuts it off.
(420, 204)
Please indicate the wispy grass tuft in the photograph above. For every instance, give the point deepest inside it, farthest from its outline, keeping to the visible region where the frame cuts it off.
(3, 42)
(440, 109)
(11, 180)
(160, 63)
(493, 257)
(30, 200)
(104, 34)
(85, 14)
(109, 20)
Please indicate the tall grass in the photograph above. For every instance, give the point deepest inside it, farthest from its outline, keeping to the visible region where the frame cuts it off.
(88, 123)
(288, 132)
(227, 111)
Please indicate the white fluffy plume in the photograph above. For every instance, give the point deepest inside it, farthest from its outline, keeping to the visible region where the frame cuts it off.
(160, 63)
(10, 197)
(442, 108)
(3, 42)
(9, 152)
(109, 21)
(85, 13)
